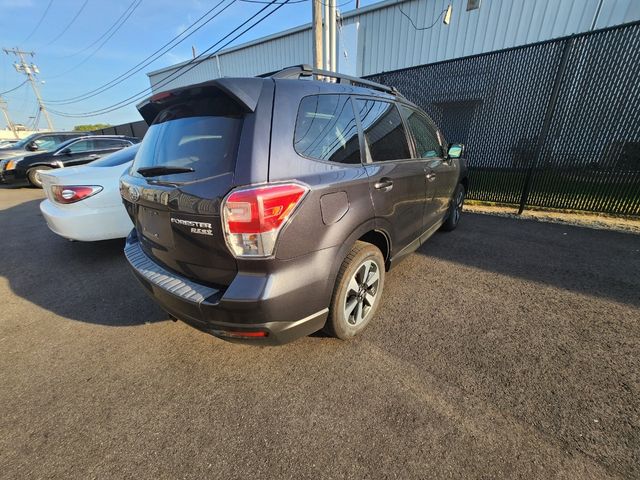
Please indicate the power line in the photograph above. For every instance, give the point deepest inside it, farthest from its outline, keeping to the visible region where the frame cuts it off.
(46, 10)
(422, 28)
(146, 61)
(191, 64)
(14, 88)
(102, 44)
(293, 1)
(88, 47)
(64, 30)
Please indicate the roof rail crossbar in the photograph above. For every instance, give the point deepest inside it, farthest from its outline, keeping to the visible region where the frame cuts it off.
(298, 71)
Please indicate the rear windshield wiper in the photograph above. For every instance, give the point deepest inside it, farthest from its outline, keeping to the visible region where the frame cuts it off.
(166, 170)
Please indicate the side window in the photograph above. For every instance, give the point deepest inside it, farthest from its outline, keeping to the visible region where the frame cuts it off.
(424, 133)
(326, 129)
(108, 143)
(81, 146)
(47, 142)
(383, 130)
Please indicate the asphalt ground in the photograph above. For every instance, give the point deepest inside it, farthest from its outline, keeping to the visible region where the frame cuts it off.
(505, 349)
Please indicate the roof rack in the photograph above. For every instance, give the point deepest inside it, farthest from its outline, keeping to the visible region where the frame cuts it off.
(305, 70)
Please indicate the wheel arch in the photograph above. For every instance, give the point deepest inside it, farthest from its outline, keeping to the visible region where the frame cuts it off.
(381, 240)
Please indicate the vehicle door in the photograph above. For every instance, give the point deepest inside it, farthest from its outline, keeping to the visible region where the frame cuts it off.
(440, 173)
(397, 181)
(447, 174)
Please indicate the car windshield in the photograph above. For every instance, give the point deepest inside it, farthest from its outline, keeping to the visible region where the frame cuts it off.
(24, 141)
(118, 158)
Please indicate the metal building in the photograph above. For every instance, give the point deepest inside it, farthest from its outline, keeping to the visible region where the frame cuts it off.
(379, 38)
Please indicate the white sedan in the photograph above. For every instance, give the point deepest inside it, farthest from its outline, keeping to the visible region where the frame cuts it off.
(83, 203)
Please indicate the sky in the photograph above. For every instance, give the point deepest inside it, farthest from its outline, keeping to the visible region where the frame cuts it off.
(73, 58)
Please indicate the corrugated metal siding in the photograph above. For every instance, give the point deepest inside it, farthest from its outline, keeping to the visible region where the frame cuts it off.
(387, 41)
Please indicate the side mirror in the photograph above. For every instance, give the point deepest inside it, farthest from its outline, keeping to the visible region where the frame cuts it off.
(456, 150)
(66, 151)
(32, 146)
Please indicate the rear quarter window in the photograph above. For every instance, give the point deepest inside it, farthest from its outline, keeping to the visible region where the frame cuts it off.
(326, 129)
(383, 130)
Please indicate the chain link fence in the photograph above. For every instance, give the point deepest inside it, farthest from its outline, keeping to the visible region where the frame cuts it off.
(554, 124)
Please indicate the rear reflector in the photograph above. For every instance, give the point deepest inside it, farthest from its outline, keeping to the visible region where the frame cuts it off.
(241, 333)
(73, 193)
(253, 217)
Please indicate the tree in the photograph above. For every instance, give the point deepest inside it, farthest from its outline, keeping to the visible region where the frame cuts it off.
(90, 128)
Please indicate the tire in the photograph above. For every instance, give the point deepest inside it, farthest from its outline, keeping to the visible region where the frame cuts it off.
(455, 209)
(33, 178)
(352, 305)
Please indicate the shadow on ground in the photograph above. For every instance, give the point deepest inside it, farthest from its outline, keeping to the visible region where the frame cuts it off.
(592, 262)
(88, 282)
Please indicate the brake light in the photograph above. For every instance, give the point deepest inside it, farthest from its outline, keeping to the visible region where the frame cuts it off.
(158, 97)
(253, 217)
(73, 193)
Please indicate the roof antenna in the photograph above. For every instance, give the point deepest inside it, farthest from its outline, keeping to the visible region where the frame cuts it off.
(193, 51)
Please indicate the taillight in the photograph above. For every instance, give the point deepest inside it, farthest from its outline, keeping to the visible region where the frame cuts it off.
(253, 217)
(73, 193)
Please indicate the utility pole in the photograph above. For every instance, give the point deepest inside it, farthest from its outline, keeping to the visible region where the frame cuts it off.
(30, 70)
(325, 31)
(332, 36)
(3, 107)
(317, 34)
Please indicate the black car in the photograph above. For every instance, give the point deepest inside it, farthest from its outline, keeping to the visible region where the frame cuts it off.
(38, 142)
(266, 209)
(77, 151)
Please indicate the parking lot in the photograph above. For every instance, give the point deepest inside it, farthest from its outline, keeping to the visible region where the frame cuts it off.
(506, 349)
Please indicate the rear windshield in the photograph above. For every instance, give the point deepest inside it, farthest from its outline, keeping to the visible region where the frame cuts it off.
(187, 136)
(118, 158)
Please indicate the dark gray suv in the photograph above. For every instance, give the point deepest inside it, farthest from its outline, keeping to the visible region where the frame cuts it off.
(266, 209)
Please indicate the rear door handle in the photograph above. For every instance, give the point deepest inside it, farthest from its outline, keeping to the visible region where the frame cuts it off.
(385, 184)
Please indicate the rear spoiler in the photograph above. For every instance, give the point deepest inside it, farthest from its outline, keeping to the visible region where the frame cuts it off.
(243, 91)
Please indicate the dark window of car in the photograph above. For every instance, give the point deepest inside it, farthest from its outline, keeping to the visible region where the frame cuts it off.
(424, 133)
(81, 146)
(109, 143)
(383, 130)
(118, 158)
(326, 129)
(202, 134)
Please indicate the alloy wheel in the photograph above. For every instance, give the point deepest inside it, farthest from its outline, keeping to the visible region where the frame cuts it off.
(361, 292)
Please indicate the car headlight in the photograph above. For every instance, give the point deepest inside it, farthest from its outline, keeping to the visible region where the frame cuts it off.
(11, 164)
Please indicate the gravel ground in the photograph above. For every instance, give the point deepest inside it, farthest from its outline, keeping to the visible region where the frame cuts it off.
(506, 349)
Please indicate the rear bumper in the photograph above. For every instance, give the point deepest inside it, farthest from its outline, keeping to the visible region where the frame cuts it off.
(86, 224)
(283, 305)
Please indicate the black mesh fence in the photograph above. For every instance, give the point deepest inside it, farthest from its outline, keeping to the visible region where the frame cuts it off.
(134, 129)
(554, 124)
